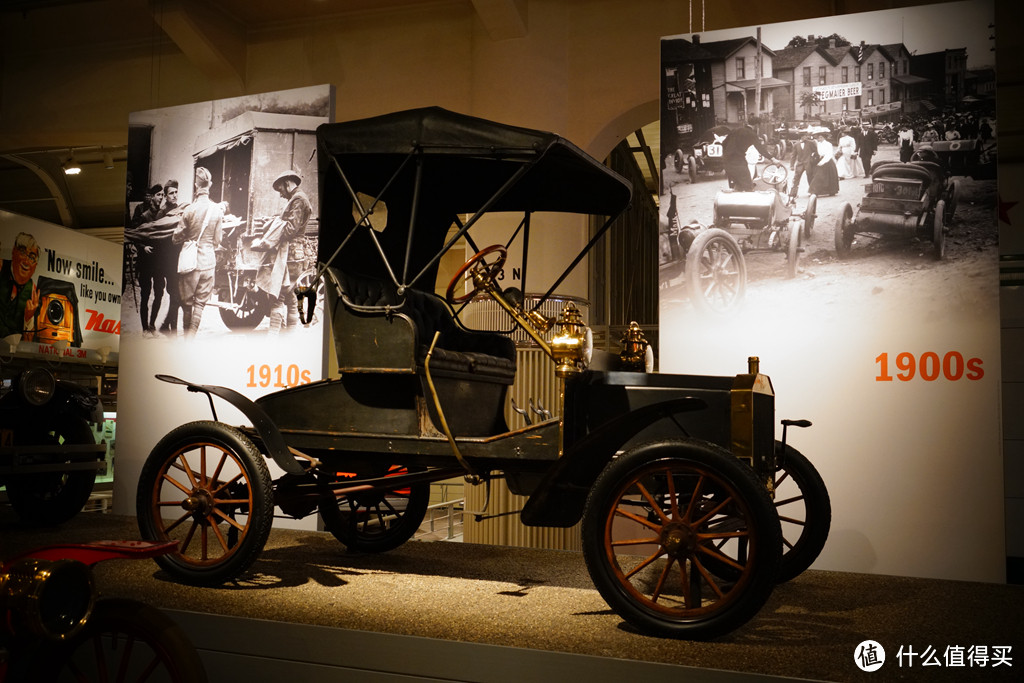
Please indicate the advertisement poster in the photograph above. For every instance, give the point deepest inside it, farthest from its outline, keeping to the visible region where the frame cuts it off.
(63, 292)
(869, 292)
(238, 179)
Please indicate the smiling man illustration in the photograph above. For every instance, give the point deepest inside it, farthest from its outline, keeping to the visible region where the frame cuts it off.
(18, 296)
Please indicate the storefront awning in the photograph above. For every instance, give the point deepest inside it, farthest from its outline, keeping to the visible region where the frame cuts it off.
(909, 79)
(751, 84)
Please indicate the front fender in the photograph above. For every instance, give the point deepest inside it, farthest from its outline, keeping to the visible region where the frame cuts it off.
(559, 498)
(275, 445)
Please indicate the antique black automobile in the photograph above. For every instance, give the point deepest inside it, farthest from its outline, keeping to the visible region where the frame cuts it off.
(705, 157)
(762, 220)
(903, 199)
(49, 457)
(672, 475)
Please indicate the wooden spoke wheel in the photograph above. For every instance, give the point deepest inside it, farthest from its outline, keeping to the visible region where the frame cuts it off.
(804, 509)
(793, 251)
(843, 231)
(939, 231)
(716, 273)
(206, 486)
(660, 518)
(378, 520)
(810, 213)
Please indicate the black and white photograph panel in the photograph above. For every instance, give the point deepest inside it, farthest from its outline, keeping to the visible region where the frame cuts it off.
(828, 204)
(833, 150)
(221, 214)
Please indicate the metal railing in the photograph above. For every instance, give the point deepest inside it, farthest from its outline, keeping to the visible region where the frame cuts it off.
(450, 505)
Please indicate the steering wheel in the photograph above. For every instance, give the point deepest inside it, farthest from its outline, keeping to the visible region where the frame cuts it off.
(478, 263)
(774, 174)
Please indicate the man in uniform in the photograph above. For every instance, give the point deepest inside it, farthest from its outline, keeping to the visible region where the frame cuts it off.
(285, 252)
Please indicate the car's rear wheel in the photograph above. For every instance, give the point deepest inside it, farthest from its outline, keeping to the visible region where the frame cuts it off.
(691, 169)
(843, 231)
(206, 486)
(952, 199)
(810, 213)
(716, 274)
(656, 520)
(939, 230)
(793, 251)
(378, 520)
(804, 509)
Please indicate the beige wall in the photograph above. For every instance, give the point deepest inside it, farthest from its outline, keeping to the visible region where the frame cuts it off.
(585, 69)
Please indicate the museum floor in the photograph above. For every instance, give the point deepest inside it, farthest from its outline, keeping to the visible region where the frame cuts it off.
(543, 601)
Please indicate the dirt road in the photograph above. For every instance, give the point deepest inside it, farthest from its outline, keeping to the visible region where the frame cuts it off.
(875, 264)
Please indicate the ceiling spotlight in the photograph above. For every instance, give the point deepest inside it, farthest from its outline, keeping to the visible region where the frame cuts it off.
(70, 167)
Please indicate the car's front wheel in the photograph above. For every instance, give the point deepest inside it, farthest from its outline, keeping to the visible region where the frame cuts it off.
(716, 274)
(206, 486)
(659, 521)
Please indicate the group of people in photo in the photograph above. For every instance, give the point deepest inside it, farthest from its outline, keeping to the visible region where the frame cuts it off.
(160, 225)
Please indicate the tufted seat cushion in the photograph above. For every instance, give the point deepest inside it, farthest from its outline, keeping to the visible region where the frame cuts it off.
(486, 356)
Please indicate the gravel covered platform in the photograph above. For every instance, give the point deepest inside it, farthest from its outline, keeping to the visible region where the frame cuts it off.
(544, 600)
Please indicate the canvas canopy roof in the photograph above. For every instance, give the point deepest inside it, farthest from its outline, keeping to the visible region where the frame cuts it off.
(431, 165)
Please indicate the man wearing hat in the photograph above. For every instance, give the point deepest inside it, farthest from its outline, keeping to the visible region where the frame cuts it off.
(284, 245)
(201, 221)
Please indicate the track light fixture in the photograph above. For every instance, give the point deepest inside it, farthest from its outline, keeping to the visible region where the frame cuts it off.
(70, 167)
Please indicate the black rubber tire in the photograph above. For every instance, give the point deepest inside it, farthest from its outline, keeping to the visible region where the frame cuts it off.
(810, 214)
(804, 532)
(843, 231)
(221, 459)
(952, 199)
(51, 498)
(939, 231)
(376, 521)
(716, 272)
(253, 307)
(793, 250)
(719, 510)
(120, 641)
(691, 169)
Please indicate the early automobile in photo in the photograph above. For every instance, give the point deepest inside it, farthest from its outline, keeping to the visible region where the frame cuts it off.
(910, 199)
(711, 259)
(693, 504)
(763, 220)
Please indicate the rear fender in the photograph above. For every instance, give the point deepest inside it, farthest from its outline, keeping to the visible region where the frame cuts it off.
(559, 498)
(272, 440)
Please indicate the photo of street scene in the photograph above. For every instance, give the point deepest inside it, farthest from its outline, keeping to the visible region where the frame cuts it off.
(828, 204)
(864, 125)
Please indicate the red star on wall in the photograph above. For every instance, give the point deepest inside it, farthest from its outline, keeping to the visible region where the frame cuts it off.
(1004, 211)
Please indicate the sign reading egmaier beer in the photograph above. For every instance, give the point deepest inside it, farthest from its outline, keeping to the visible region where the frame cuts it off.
(870, 294)
(838, 91)
(60, 292)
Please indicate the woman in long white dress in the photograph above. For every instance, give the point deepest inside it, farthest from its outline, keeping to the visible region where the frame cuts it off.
(846, 165)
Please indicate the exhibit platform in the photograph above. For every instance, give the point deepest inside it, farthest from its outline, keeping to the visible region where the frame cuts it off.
(310, 611)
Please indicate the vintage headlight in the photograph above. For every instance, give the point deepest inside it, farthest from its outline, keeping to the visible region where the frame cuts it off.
(37, 386)
(47, 599)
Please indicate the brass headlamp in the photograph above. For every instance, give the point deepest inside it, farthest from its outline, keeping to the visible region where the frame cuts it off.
(637, 354)
(573, 345)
